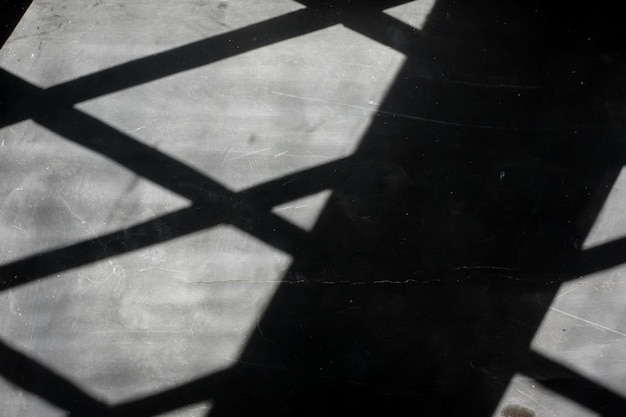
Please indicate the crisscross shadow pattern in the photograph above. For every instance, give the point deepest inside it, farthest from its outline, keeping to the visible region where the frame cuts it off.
(427, 146)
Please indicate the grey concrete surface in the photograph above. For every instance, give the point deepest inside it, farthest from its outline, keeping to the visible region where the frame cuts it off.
(132, 324)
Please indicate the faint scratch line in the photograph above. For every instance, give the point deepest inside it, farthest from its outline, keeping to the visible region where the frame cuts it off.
(140, 332)
(569, 291)
(76, 216)
(474, 267)
(394, 114)
(248, 154)
(599, 326)
(18, 228)
(533, 400)
(226, 156)
(84, 224)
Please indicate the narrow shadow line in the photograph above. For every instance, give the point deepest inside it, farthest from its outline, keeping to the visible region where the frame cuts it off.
(351, 7)
(602, 257)
(133, 155)
(331, 175)
(280, 234)
(391, 32)
(174, 61)
(200, 390)
(35, 378)
(177, 60)
(576, 387)
(159, 230)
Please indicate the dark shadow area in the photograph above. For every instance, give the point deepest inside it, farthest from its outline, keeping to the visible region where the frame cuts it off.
(447, 235)
(465, 208)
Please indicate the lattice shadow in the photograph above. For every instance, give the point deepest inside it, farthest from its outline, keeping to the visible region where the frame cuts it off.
(417, 213)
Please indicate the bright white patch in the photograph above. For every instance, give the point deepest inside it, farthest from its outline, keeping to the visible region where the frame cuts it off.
(413, 13)
(304, 212)
(524, 394)
(585, 328)
(611, 221)
(149, 320)
(265, 113)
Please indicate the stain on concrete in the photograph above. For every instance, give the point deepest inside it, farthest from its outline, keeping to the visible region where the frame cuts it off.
(517, 411)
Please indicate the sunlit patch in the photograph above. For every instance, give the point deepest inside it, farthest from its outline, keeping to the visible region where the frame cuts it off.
(194, 410)
(54, 193)
(611, 222)
(414, 13)
(17, 402)
(149, 320)
(585, 328)
(524, 397)
(57, 41)
(262, 114)
(304, 212)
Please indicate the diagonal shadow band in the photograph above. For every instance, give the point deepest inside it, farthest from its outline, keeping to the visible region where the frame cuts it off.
(570, 384)
(602, 257)
(31, 376)
(199, 390)
(154, 67)
(196, 54)
(161, 229)
(33, 100)
(89, 132)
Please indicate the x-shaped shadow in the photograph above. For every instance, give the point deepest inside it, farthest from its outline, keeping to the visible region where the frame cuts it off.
(212, 203)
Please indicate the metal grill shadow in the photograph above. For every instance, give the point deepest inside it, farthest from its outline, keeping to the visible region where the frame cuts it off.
(428, 273)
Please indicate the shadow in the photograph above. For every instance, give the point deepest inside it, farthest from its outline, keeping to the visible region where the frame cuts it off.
(466, 207)
(31, 376)
(447, 234)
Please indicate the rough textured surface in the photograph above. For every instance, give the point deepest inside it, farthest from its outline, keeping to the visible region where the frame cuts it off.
(311, 208)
